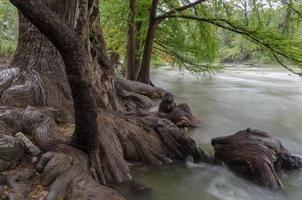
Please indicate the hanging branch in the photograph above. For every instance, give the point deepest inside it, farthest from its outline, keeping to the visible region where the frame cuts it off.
(179, 9)
(290, 5)
(250, 34)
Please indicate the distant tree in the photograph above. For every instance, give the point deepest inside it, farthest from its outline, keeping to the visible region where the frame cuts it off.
(252, 20)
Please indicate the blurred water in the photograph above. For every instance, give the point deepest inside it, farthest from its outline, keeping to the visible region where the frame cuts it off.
(264, 98)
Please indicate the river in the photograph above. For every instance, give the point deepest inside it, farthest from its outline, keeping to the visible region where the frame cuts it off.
(263, 98)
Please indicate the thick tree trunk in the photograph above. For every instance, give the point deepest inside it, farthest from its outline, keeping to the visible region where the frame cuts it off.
(36, 75)
(109, 136)
(144, 74)
(138, 48)
(131, 71)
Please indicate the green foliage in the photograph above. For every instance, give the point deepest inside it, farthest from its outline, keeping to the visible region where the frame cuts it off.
(114, 22)
(190, 44)
(227, 30)
(8, 28)
(182, 43)
(267, 29)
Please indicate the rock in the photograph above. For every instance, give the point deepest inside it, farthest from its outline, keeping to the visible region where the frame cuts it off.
(11, 152)
(32, 149)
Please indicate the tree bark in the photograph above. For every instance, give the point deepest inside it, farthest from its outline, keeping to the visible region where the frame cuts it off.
(131, 68)
(36, 75)
(154, 21)
(144, 74)
(109, 136)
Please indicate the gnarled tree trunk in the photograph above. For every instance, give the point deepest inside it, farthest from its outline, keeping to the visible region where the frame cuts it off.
(109, 136)
(106, 138)
(36, 75)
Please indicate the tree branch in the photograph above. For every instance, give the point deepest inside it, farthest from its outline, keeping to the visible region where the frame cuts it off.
(225, 24)
(284, 65)
(49, 24)
(180, 9)
(299, 13)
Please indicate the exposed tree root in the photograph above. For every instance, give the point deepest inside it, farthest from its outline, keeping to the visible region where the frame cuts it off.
(148, 140)
(11, 152)
(141, 88)
(255, 155)
(134, 102)
(180, 114)
(20, 184)
(125, 139)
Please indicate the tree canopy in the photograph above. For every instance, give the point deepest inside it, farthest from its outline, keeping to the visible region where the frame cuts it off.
(210, 32)
(217, 30)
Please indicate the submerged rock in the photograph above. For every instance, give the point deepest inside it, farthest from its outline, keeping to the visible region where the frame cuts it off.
(140, 188)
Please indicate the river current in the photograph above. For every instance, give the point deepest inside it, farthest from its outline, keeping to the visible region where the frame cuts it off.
(262, 98)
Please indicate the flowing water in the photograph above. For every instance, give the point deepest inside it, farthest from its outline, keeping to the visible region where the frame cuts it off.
(264, 98)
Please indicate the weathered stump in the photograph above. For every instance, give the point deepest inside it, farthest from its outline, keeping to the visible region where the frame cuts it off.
(255, 155)
(181, 114)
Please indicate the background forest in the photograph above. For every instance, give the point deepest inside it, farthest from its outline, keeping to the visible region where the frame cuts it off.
(188, 43)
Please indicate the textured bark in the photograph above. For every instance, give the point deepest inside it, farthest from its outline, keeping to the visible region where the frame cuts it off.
(144, 74)
(20, 184)
(140, 88)
(131, 47)
(255, 155)
(92, 84)
(154, 21)
(181, 114)
(65, 170)
(36, 75)
(106, 137)
(11, 152)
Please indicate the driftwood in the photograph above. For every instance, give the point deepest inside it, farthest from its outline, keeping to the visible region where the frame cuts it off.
(255, 155)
